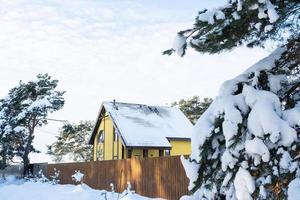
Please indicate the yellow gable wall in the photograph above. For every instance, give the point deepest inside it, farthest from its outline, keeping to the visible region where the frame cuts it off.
(111, 149)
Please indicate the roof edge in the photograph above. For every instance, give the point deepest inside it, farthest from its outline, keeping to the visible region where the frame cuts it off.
(98, 120)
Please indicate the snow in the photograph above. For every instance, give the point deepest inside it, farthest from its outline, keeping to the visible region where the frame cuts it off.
(262, 192)
(228, 160)
(294, 189)
(257, 146)
(292, 116)
(210, 15)
(268, 28)
(239, 5)
(269, 7)
(275, 82)
(191, 170)
(244, 185)
(37, 104)
(268, 126)
(16, 190)
(257, 26)
(273, 16)
(78, 176)
(236, 16)
(202, 194)
(262, 14)
(19, 129)
(143, 125)
(264, 117)
(228, 104)
(227, 178)
(178, 44)
(266, 63)
(286, 162)
(253, 7)
(40, 103)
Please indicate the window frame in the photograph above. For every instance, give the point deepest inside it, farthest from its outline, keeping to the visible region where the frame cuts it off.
(101, 137)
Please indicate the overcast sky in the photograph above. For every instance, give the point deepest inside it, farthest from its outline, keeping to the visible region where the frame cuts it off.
(105, 50)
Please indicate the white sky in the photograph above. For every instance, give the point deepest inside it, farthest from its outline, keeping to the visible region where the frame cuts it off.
(105, 50)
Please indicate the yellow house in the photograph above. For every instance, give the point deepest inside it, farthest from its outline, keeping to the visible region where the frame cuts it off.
(125, 130)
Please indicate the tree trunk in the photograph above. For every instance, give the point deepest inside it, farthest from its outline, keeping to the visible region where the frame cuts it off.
(26, 163)
(3, 160)
(25, 157)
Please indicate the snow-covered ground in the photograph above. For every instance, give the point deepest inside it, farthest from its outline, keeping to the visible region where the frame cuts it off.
(13, 189)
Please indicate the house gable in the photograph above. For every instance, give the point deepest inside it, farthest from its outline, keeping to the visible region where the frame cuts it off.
(148, 126)
(140, 131)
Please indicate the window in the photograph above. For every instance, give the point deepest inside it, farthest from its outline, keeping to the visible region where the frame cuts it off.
(101, 137)
(123, 152)
(100, 154)
(129, 153)
(115, 136)
(161, 153)
(145, 153)
(168, 152)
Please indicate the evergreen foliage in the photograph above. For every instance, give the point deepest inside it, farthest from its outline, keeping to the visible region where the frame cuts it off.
(255, 128)
(193, 107)
(240, 22)
(73, 142)
(25, 108)
(246, 144)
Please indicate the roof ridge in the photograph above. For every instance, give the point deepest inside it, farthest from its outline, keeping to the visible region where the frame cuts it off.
(139, 104)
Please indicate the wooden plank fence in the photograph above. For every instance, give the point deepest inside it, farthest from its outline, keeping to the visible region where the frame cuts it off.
(162, 177)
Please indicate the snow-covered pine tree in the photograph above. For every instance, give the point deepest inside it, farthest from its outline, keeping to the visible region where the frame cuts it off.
(246, 145)
(25, 108)
(72, 142)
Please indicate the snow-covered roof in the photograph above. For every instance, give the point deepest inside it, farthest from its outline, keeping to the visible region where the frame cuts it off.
(148, 126)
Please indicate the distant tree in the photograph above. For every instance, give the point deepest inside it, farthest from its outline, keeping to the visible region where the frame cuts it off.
(24, 109)
(73, 142)
(193, 107)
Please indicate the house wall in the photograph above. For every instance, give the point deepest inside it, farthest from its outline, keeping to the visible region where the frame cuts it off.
(180, 147)
(110, 149)
(117, 149)
(153, 153)
(139, 153)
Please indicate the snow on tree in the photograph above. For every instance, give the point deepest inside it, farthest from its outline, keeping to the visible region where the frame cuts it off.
(240, 22)
(246, 144)
(25, 108)
(7, 138)
(72, 142)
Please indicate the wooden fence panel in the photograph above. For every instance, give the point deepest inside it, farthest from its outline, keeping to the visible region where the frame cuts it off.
(162, 177)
